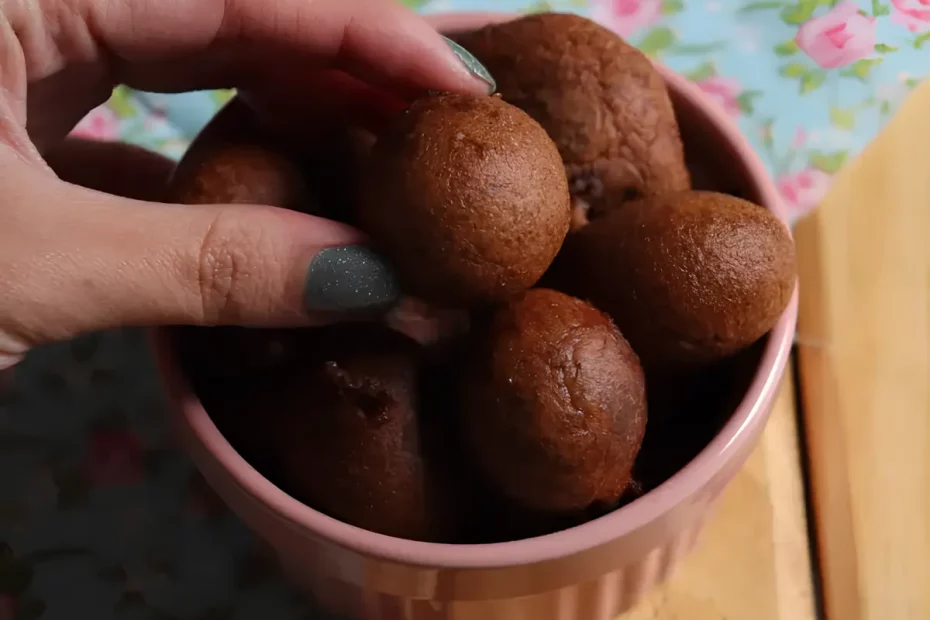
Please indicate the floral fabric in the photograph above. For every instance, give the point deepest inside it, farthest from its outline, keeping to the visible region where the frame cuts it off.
(101, 517)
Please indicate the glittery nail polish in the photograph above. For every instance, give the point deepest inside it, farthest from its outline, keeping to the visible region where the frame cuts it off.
(348, 278)
(472, 64)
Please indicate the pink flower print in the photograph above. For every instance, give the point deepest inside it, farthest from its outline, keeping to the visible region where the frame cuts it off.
(839, 38)
(114, 458)
(627, 17)
(7, 607)
(765, 132)
(912, 14)
(724, 91)
(101, 123)
(156, 120)
(803, 190)
(800, 138)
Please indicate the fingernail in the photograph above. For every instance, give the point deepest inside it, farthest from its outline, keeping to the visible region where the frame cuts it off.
(350, 277)
(471, 63)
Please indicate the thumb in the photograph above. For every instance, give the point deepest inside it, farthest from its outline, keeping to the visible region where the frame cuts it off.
(74, 260)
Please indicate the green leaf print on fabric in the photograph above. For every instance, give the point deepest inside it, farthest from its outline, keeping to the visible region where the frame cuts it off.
(827, 162)
(799, 13)
(793, 70)
(745, 100)
(220, 97)
(701, 72)
(671, 7)
(787, 48)
(921, 39)
(862, 68)
(539, 6)
(879, 9)
(657, 41)
(121, 102)
(842, 118)
(881, 48)
(752, 7)
(697, 49)
(808, 79)
(811, 80)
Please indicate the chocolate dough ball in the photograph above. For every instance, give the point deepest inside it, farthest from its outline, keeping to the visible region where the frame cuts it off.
(234, 161)
(356, 443)
(600, 99)
(238, 159)
(242, 174)
(554, 404)
(467, 197)
(688, 278)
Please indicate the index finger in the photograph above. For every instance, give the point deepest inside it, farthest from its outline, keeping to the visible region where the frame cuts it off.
(191, 44)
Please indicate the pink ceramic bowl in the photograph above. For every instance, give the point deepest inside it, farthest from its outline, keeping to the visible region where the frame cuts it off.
(590, 572)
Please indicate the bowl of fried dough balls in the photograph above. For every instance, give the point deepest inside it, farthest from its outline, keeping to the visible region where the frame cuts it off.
(599, 302)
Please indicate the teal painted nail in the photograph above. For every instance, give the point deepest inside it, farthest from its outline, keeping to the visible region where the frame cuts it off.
(471, 63)
(347, 278)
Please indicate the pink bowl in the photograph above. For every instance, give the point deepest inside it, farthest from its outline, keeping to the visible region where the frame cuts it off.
(590, 572)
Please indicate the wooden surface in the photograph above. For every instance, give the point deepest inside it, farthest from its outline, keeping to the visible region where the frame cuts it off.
(752, 562)
(863, 352)
(864, 359)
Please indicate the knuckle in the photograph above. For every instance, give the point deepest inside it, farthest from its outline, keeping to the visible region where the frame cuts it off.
(229, 265)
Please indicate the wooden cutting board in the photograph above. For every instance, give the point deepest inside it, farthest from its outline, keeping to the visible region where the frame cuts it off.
(863, 349)
(752, 562)
(863, 342)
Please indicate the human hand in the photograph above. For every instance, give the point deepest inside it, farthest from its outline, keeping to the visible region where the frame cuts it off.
(75, 259)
